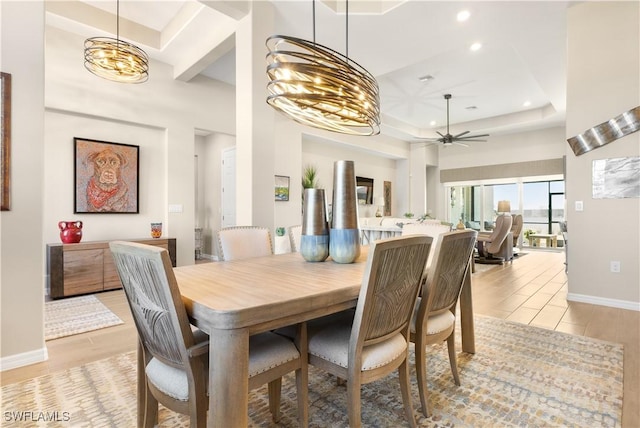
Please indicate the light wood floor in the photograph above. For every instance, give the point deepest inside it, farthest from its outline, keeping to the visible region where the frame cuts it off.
(531, 290)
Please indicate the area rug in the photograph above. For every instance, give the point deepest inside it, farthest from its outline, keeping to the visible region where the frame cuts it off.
(519, 376)
(75, 315)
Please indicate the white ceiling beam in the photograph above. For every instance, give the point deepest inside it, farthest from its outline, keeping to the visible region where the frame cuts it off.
(236, 9)
(194, 64)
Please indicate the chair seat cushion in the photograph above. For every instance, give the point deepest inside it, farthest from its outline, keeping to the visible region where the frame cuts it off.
(268, 350)
(330, 341)
(171, 380)
(435, 323)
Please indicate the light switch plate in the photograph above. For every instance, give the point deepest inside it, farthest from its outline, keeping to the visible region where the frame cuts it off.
(579, 206)
(175, 208)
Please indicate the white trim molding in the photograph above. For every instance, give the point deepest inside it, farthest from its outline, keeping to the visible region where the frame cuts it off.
(24, 359)
(603, 301)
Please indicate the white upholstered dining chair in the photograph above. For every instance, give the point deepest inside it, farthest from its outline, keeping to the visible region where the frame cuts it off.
(173, 357)
(371, 342)
(295, 233)
(243, 242)
(434, 319)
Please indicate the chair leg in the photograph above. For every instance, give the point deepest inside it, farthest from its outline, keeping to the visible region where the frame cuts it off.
(354, 405)
(150, 413)
(274, 398)
(405, 388)
(451, 345)
(421, 375)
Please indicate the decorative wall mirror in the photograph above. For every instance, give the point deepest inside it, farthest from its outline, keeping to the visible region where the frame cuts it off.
(364, 190)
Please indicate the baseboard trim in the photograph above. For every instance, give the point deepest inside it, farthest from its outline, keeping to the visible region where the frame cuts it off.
(24, 359)
(603, 301)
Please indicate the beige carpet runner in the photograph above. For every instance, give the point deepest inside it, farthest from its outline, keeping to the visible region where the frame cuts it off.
(520, 376)
(75, 315)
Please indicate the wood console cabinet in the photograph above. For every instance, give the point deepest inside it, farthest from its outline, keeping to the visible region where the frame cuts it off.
(88, 267)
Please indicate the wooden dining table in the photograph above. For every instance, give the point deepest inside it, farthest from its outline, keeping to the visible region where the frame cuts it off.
(234, 299)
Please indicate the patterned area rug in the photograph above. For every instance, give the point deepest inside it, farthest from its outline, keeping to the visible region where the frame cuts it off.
(74, 315)
(520, 376)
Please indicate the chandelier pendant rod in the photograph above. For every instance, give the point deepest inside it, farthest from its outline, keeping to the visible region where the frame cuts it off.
(314, 20)
(117, 24)
(346, 53)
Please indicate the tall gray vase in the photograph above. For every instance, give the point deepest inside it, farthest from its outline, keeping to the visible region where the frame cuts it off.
(314, 239)
(344, 241)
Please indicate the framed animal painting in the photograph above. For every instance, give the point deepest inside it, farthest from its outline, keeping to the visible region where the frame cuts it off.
(105, 177)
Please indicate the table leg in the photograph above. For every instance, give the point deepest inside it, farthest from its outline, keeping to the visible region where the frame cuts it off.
(466, 314)
(228, 378)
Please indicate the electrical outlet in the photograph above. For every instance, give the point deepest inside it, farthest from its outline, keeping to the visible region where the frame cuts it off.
(615, 266)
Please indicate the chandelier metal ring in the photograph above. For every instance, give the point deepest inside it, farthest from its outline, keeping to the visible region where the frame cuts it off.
(319, 87)
(116, 60)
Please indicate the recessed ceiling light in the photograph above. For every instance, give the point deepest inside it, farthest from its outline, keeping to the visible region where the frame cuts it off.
(426, 78)
(433, 123)
(476, 46)
(526, 104)
(463, 15)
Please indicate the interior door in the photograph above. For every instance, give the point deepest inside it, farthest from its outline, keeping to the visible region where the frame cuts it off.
(229, 187)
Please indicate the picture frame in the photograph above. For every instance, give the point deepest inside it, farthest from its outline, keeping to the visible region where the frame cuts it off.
(106, 177)
(5, 137)
(281, 188)
(387, 198)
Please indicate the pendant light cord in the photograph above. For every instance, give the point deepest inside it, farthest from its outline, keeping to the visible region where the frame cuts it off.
(347, 31)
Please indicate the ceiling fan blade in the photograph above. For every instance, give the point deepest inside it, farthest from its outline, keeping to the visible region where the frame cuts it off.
(474, 136)
(469, 139)
(426, 138)
(460, 144)
(461, 134)
(440, 134)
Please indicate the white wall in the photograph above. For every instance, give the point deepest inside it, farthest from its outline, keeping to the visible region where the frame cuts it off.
(542, 144)
(209, 150)
(160, 116)
(322, 155)
(21, 244)
(603, 82)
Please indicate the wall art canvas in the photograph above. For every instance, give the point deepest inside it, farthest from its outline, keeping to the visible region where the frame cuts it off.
(616, 178)
(5, 136)
(387, 198)
(105, 177)
(282, 188)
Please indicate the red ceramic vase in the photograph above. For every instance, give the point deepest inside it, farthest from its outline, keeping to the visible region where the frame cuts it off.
(70, 231)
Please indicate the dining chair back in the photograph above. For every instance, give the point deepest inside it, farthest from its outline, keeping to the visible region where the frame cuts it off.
(371, 342)
(173, 357)
(433, 229)
(243, 242)
(295, 233)
(434, 319)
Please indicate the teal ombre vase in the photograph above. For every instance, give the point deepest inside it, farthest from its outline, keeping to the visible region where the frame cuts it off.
(344, 245)
(314, 238)
(344, 235)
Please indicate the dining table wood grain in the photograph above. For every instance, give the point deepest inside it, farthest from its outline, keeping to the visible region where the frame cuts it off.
(232, 300)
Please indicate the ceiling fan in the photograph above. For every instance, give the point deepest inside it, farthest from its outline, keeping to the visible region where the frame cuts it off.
(448, 139)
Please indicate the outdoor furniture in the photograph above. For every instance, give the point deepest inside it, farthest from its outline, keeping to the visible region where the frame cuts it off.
(551, 240)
